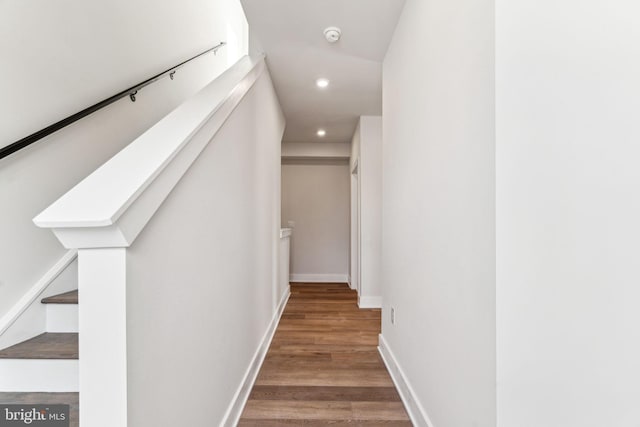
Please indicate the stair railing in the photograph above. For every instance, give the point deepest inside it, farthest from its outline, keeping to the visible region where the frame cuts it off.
(103, 215)
(130, 92)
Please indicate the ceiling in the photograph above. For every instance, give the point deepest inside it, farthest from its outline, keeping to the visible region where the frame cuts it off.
(290, 33)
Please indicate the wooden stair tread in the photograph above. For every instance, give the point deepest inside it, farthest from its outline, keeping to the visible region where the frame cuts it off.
(44, 346)
(70, 297)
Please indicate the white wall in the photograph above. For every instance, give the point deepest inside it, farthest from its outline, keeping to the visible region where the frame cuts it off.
(568, 96)
(61, 58)
(297, 150)
(439, 207)
(30, 318)
(315, 195)
(202, 273)
(367, 151)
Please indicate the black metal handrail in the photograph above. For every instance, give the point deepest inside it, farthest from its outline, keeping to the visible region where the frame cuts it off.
(131, 92)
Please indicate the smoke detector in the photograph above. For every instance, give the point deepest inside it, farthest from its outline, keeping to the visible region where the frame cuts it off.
(332, 34)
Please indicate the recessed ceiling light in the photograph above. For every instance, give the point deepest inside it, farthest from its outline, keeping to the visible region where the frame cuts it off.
(322, 83)
(321, 133)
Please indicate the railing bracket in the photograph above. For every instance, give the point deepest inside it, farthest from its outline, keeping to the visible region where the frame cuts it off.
(131, 92)
(171, 74)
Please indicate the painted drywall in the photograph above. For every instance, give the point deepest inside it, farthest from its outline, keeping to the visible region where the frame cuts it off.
(315, 196)
(567, 213)
(202, 273)
(302, 150)
(438, 244)
(33, 318)
(367, 151)
(58, 59)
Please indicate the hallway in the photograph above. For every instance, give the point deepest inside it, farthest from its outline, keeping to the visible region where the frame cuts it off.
(323, 365)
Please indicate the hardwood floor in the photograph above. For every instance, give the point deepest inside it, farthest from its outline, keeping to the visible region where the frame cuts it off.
(323, 366)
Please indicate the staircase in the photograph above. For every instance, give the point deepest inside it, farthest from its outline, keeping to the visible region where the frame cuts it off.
(47, 362)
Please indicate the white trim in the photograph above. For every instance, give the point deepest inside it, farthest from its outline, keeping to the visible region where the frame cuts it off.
(27, 299)
(355, 247)
(111, 206)
(319, 278)
(232, 416)
(369, 302)
(314, 161)
(416, 412)
(102, 283)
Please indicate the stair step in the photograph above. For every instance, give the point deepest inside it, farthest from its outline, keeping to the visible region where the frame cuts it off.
(46, 363)
(70, 297)
(62, 312)
(62, 318)
(39, 375)
(44, 346)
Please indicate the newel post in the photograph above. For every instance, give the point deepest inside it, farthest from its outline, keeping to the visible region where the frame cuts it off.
(102, 307)
(102, 277)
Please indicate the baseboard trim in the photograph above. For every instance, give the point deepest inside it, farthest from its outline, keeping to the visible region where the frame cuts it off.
(416, 412)
(319, 278)
(232, 416)
(369, 302)
(28, 298)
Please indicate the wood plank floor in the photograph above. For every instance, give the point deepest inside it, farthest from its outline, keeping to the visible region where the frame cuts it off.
(323, 366)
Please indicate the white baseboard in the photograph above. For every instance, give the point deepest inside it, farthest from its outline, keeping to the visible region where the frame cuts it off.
(415, 410)
(369, 302)
(319, 278)
(232, 416)
(28, 309)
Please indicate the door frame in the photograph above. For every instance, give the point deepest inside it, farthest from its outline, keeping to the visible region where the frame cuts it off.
(355, 241)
